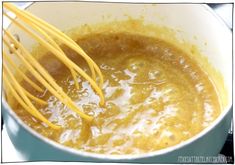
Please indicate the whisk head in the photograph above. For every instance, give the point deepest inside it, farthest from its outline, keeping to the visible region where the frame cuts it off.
(45, 34)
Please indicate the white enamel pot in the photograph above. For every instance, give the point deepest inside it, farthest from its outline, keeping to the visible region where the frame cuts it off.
(194, 19)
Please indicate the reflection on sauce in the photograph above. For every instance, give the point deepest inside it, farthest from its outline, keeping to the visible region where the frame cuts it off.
(156, 97)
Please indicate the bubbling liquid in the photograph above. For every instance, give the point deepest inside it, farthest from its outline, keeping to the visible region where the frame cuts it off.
(156, 97)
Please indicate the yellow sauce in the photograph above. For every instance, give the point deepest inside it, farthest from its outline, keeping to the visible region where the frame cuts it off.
(156, 97)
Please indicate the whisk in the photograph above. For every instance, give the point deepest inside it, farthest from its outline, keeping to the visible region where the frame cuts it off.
(46, 35)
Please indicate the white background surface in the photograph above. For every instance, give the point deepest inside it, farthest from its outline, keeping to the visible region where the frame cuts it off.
(9, 154)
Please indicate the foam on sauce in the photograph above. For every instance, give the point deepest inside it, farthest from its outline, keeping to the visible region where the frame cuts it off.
(156, 97)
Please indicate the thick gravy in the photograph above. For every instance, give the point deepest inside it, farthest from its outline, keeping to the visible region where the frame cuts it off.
(156, 97)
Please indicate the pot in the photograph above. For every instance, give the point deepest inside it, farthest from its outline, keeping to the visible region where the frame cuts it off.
(191, 19)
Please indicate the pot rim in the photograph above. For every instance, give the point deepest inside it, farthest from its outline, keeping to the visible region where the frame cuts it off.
(123, 157)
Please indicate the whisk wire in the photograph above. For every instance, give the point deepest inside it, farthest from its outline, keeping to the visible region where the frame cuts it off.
(42, 76)
(9, 60)
(53, 43)
(24, 101)
(27, 17)
(40, 101)
(63, 58)
(46, 38)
